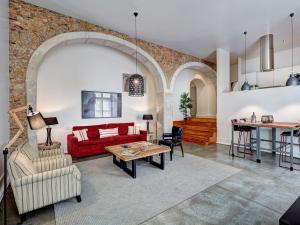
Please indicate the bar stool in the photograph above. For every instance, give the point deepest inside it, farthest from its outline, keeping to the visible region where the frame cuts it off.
(244, 132)
(283, 153)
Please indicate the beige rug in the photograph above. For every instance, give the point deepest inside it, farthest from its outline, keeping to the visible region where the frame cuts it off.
(111, 197)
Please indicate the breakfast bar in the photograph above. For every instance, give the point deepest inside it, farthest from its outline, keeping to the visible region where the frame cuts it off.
(274, 126)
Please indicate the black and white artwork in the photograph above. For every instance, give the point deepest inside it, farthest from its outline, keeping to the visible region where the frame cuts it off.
(96, 104)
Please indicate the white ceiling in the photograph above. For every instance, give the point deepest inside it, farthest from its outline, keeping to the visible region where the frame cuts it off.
(196, 27)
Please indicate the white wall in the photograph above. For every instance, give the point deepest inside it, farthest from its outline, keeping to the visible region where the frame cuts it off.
(206, 93)
(69, 69)
(4, 82)
(283, 103)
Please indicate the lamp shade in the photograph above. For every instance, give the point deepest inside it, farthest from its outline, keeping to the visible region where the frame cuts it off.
(51, 121)
(36, 121)
(136, 85)
(147, 117)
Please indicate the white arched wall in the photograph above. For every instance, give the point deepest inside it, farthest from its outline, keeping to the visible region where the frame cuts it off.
(96, 39)
(206, 96)
(68, 70)
(206, 92)
(181, 83)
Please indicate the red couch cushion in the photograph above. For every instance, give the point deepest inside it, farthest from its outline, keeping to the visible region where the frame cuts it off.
(93, 134)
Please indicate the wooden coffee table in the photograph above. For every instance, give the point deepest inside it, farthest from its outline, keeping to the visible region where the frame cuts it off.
(137, 150)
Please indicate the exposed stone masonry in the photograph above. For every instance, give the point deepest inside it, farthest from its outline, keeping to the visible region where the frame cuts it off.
(31, 25)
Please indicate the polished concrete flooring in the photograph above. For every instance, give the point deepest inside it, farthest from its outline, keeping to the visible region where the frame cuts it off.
(258, 194)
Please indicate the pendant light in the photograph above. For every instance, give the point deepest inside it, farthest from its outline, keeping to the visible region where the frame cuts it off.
(246, 85)
(136, 81)
(293, 80)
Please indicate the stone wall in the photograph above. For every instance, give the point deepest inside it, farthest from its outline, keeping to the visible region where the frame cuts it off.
(30, 26)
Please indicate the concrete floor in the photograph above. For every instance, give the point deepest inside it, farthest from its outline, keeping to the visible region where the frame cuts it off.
(258, 194)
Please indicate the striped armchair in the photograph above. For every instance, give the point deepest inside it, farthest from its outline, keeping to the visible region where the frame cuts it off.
(42, 181)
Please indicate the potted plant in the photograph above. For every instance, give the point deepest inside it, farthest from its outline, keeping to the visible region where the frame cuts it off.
(185, 104)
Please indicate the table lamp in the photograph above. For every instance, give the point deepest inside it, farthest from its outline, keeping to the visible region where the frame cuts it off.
(36, 121)
(148, 117)
(50, 121)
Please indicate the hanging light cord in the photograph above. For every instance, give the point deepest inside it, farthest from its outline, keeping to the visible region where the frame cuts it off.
(245, 33)
(292, 26)
(135, 33)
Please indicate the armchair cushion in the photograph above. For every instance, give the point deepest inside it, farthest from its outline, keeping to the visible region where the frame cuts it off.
(27, 149)
(22, 164)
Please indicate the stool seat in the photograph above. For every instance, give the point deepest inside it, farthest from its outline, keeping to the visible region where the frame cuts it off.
(292, 215)
(288, 133)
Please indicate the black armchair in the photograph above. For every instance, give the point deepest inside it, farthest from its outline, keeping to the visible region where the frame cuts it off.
(173, 139)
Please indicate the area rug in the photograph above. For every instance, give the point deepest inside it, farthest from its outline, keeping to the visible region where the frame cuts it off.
(111, 197)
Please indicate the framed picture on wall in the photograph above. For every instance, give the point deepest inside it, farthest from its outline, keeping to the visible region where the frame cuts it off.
(96, 104)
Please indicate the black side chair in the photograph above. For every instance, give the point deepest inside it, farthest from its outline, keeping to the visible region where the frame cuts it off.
(173, 139)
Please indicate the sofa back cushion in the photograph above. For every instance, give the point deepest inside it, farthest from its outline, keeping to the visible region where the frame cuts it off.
(20, 165)
(104, 133)
(93, 130)
(27, 149)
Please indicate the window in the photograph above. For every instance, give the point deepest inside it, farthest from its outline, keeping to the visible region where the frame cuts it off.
(101, 104)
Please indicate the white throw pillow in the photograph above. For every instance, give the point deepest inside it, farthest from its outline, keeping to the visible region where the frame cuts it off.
(81, 134)
(23, 164)
(131, 130)
(109, 132)
(137, 129)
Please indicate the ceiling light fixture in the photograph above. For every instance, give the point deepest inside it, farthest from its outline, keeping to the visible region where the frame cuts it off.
(246, 85)
(136, 81)
(293, 80)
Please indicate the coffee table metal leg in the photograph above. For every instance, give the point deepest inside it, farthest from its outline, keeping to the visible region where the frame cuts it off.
(132, 171)
(160, 165)
(116, 162)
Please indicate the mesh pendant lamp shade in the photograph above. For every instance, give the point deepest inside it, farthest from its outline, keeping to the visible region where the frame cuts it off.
(136, 85)
(136, 81)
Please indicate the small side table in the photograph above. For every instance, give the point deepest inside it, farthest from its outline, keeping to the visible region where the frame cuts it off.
(43, 146)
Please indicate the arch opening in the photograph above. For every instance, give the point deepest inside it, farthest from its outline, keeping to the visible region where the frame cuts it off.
(91, 38)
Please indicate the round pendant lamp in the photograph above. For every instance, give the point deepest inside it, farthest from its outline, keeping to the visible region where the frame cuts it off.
(246, 85)
(293, 80)
(136, 81)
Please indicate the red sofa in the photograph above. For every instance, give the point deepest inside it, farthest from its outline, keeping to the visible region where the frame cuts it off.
(96, 145)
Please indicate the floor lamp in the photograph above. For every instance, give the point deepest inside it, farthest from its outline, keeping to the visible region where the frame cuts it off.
(36, 121)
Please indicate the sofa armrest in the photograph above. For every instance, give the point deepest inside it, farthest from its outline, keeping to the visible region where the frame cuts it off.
(44, 176)
(52, 163)
(72, 142)
(144, 132)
